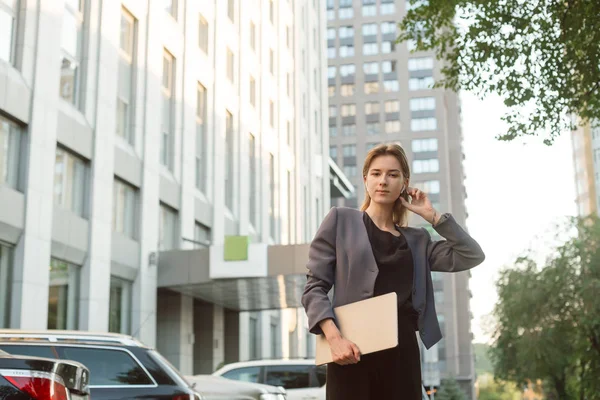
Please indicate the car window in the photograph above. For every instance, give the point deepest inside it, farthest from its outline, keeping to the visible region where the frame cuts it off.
(107, 367)
(29, 350)
(288, 376)
(246, 374)
(321, 371)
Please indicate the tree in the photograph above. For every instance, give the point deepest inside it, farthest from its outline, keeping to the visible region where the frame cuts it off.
(498, 390)
(450, 390)
(542, 57)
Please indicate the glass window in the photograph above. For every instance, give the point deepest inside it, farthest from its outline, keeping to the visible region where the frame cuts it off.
(10, 149)
(392, 126)
(332, 111)
(430, 187)
(345, 3)
(126, 77)
(348, 110)
(230, 10)
(8, 22)
(346, 32)
(288, 376)
(347, 70)
(231, 66)
(426, 166)
(330, 33)
(6, 262)
(372, 107)
(71, 43)
(346, 13)
(70, 174)
(349, 150)
(28, 350)
(331, 52)
(107, 367)
(119, 317)
(347, 90)
(271, 11)
(252, 159)
(371, 87)
(168, 105)
(203, 34)
(392, 106)
(124, 208)
(369, 29)
(423, 124)
(333, 152)
(371, 68)
(387, 46)
(201, 138)
(349, 130)
(333, 131)
(202, 236)
(388, 66)
(421, 83)
(388, 8)
(167, 228)
(391, 85)
(420, 64)
(331, 71)
(247, 374)
(272, 196)
(171, 7)
(252, 35)
(373, 128)
(346, 51)
(369, 49)
(229, 154)
(272, 114)
(330, 15)
(422, 104)
(388, 27)
(423, 145)
(63, 295)
(350, 170)
(369, 10)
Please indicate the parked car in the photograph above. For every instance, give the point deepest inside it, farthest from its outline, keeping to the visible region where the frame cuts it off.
(301, 378)
(120, 366)
(219, 388)
(34, 378)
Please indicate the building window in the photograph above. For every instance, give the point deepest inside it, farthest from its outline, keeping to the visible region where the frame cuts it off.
(230, 65)
(253, 181)
(253, 35)
(124, 208)
(253, 91)
(330, 33)
(426, 166)
(230, 10)
(392, 126)
(373, 128)
(421, 83)
(201, 138)
(423, 124)
(203, 34)
(330, 15)
(333, 152)
(126, 76)
(331, 71)
(347, 90)
(70, 174)
(388, 27)
(274, 332)
(272, 196)
(388, 8)
(388, 66)
(171, 7)
(348, 110)
(331, 90)
(371, 68)
(350, 170)
(349, 150)
(254, 339)
(332, 111)
(429, 187)
(346, 32)
(391, 85)
(63, 295)
(346, 12)
(168, 112)
(6, 262)
(369, 29)
(315, 80)
(271, 11)
(372, 107)
(71, 44)
(392, 106)
(272, 61)
(119, 317)
(420, 64)
(10, 149)
(424, 145)
(387, 46)
(371, 87)
(347, 51)
(229, 154)
(332, 131)
(167, 238)
(331, 52)
(422, 104)
(369, 49)
(202, 236)
(289, 133)
(8, 29)
(369, 10)
(349, 130)
(272, 114)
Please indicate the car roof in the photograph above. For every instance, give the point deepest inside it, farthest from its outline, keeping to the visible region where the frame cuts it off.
(267, 362)
(63, 336)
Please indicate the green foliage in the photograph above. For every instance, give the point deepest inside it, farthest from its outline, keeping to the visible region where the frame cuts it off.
(483, 364)
(542, 57)
(498, 390)
(450, 390)
(548, 319)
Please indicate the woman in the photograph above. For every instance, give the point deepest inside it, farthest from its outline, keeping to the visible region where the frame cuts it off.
(372, 252)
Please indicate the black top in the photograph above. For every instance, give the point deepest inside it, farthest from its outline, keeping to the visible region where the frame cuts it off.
(396, 268)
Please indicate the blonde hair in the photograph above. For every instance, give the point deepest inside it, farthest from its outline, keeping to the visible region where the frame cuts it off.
(400, 213)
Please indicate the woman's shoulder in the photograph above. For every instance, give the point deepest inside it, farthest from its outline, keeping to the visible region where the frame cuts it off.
(346, 212)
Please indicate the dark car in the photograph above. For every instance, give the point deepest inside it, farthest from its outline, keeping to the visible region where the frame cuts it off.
(33, 378)
(120, 366)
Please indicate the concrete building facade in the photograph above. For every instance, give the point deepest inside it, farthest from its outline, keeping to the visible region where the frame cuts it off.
(163, 165)
(380, 92)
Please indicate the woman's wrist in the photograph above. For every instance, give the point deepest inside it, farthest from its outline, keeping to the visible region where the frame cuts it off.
(432, 216)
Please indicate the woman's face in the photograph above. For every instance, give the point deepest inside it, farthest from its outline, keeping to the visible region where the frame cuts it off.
(384, 180)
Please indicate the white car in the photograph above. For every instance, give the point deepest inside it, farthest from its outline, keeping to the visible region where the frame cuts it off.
(301, 378)
(218, 388)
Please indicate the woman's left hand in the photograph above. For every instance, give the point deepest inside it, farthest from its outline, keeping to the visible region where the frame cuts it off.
(420, 205)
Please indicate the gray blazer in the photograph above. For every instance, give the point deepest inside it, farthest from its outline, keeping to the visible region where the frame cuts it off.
(340, 255)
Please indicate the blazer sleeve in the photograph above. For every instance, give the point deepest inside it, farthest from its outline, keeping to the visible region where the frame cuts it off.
(321, 273)
(459, 252)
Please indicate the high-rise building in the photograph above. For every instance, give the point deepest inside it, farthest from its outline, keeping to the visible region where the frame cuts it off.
(162, 167)
(380, 92)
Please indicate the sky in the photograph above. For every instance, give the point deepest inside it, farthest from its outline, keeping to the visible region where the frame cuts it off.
(516, 192)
